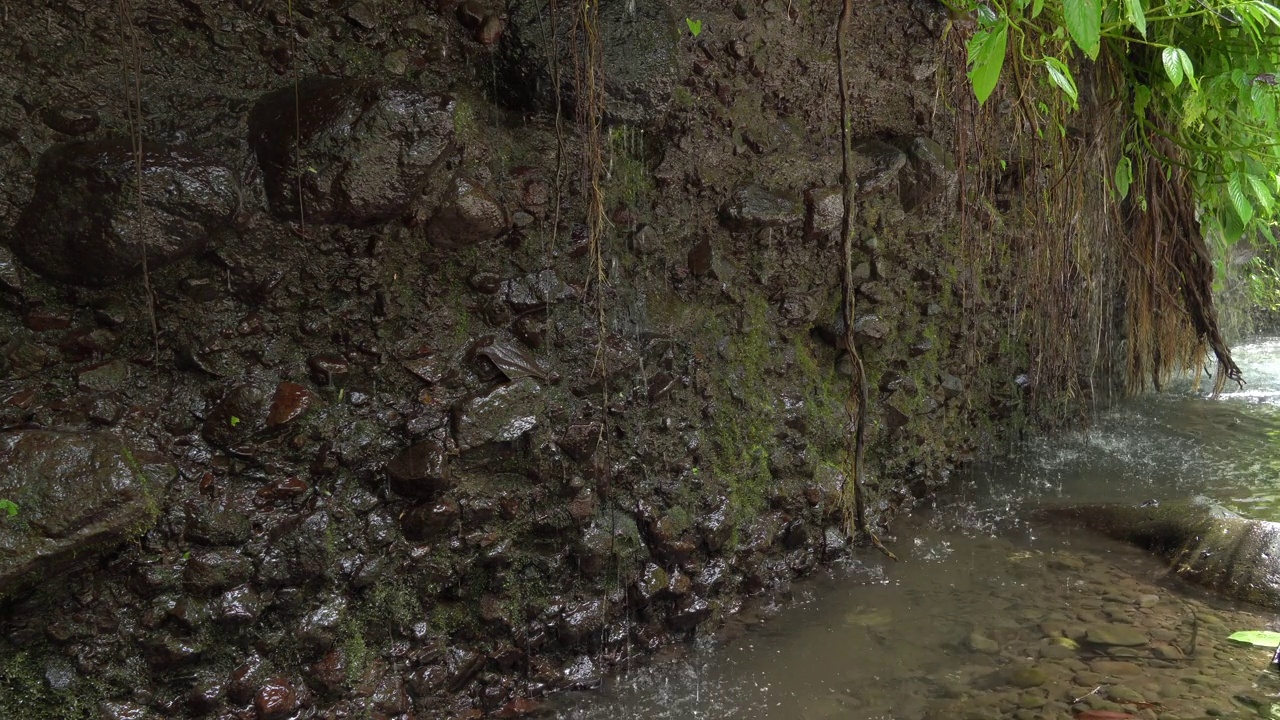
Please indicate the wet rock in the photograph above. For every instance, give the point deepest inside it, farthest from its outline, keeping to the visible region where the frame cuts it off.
(10, 277)
(237, 418)
(930, 176)
(977, 642)
(425, 523)
(70, 121)
(640, 44)
(276, 699)
(226, 525)
(319, 628)
(870, 328)
(536, 290)
(876, 164)
(328, 368)
(239, 606)
(580, 441)
(289, 403)
(467, 216)
(580, 620)
(581, 674)
(700, 258)
(111, 376)
(82, 223)
(824, 210)
(952, 386)
(217, 569)
(1116, 635)
(114, 710)
(652, 584)
(512, 361)
(751, 207)
(501, 414)
(1025, 676)
(78, 495)
(690, 612)
(420, 471)
(364, 150)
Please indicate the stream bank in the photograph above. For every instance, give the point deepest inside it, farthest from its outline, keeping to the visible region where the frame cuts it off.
(378, 444)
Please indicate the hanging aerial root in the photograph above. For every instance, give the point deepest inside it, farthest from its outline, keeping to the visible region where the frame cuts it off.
(859, 394)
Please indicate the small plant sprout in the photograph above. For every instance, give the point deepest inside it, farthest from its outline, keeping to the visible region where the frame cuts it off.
(234, 421)
(695, 26)
(9, 507)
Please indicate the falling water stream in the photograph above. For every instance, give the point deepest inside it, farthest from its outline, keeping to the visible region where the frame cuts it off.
(980, 618)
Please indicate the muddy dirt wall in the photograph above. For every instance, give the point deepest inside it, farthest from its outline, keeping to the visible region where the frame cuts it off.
(386, 442)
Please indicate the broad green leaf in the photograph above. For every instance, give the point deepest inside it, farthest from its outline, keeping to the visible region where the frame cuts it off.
(1261, 191)
(1060, 74)
(1235, 191)
(1123, 177)
(986, 58)
(1267, 10)
(1134, 13)
(1188, 69)
(1036, 7)
(1265, 638)
(1141, 98)
(1172, 65)
(1083, 19)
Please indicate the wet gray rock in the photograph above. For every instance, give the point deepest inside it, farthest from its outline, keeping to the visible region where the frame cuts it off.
(952, 386)
(751, 207)
(70, 121)
(10, 276)
(364, 150)
(690, 612)
(640, 42)
(238, 417)
(419, 471)
(580, 620)
(535, 290)
(424, 523)
(929, 178)
(501, 414)
(581, 674)
(217, 569)
(468, 215)
(77, 496)
(824, 210)
(876, 164)
(82, 223)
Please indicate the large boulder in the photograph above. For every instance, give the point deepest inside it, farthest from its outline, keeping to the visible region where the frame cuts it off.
(358, 151)
(1205, 543)
(639, 41)
(82, 225)
(77, 495)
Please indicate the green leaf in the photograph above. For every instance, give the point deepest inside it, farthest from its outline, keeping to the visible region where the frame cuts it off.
(1265, 638)
(695, 26)
(1188, 69)
(1060, 74)
(1235, 191)
(1172, 65)
(9, 507)
(1083, 19)
(1036, 8)
(1261, 191)
(1141, 98)
(1267, 10)
(1136, 16)
(1123, 177)
(234, 421)
(986, 58)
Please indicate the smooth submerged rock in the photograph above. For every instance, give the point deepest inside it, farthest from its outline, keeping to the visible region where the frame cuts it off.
(82, 225)
(1117, 635)
(1205, 543)
(349, 151)
(78, 495)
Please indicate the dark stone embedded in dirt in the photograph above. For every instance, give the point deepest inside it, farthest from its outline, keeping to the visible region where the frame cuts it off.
(580, 440)
(110, 376)
(639, 41)
(420, 471)
(580, 620)
(238, 417)
(752, 206)
(239, 606)
(10, 277)
(500, 414)
(870, 328)
(700, 258)
(77, 495)
(536, 290)
(359, 151)
(276, 699)
(423, 523)
(930, 176)
(70, 121)
(328, 368)
(952, 386)
(824, 210)
(217, 569)
(689, 612)
(82, 223)
(468, 215)
(290, 402)
(512, 361)
(876, 164)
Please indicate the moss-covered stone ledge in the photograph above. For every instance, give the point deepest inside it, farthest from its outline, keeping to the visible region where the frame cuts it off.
(71, 497)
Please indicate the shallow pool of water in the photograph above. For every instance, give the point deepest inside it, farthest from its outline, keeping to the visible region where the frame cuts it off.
(993, 615)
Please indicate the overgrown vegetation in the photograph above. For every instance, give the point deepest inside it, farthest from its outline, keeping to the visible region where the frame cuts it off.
(1195, 167)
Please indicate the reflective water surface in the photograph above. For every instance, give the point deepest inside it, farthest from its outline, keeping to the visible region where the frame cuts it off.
(992, 615)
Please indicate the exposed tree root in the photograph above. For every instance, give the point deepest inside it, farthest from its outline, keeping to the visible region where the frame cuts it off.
(859, 394)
